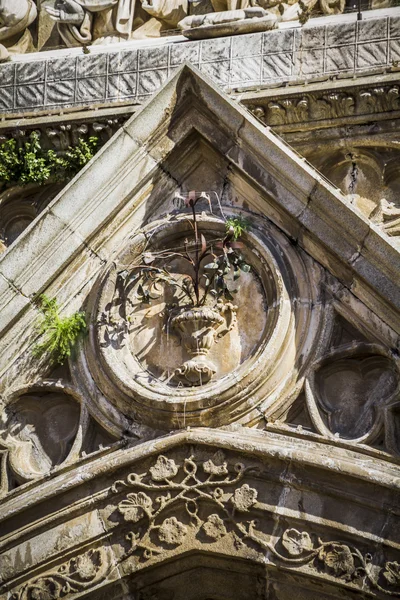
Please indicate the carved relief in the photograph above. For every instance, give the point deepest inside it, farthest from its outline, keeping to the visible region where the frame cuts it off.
(350, 391)
(168, 489)
(339, 560)
(380, 99)
(39, 430)
(319, 106)
(43, 429)
(83, 22)
(197, 502)
(198, 329)
(15, 18)
(152, 338)
(332, 106)
(288, 111)
(77, 575)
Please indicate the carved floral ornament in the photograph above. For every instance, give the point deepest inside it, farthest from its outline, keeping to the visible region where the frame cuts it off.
(209, 501)
(77, 575)
(149, 350)
(201, 499)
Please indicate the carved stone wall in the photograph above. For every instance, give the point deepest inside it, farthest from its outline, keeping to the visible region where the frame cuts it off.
(132, 75)
(234, 440)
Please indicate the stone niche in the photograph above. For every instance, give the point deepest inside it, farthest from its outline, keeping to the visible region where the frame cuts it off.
(172, 364)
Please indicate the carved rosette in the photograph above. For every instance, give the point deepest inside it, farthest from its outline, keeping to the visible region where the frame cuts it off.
(234, 363)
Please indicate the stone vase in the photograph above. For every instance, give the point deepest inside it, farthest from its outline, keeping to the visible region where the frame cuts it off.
(197, 327)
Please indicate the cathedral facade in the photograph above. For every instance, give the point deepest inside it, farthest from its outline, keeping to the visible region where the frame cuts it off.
(200, 300)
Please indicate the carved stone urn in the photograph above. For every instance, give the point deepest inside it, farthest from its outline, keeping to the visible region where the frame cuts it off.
(198, 328)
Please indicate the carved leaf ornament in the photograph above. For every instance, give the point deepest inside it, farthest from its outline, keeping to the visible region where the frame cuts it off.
(172, 502)
(77, 575)
(295, 542)
(171, 505)
(165, 337)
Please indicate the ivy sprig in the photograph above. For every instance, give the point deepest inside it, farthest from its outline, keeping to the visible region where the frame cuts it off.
(59, 333)
(30, 163)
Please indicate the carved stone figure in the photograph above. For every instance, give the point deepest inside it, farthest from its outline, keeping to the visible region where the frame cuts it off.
(387, 215)
(15, 18)
(228, 22)
(246, 16)
(109, 21)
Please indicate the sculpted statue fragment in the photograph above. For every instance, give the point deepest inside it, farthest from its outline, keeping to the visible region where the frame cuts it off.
(15, 18)
(82, 22)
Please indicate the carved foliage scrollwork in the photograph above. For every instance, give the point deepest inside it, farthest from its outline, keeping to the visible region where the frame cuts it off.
(77, 575)
(207, 500)
(339, 560)
(183, 487)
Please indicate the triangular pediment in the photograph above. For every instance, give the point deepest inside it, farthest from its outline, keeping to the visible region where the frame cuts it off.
(152, 465)
(192, 134)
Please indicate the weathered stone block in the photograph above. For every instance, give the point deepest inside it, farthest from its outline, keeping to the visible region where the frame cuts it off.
(370, 55)
(91, 65)
(91, 89)
(340, 58)
(277, 66)
(60, 92)
(153, 58)
(29, 96)
(246, 45)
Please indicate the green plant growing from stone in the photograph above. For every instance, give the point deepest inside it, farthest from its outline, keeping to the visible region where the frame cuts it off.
(201, 273)
(237, 226)
(211, 264)
(30, 163)
(60, 334)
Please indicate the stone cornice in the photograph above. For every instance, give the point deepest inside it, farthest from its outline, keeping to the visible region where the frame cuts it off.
(301, 201)
(326, 105)
(320, 50)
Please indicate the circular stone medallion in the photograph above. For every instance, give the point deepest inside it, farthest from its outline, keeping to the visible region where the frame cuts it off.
(172, 359)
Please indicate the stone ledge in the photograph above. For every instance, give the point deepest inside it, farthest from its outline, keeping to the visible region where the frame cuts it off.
(109, 75)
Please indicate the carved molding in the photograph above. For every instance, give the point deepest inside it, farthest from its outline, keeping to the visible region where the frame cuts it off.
(205, 500)
(318, 106)
(59, 134)
(192, 497)
(79, 574)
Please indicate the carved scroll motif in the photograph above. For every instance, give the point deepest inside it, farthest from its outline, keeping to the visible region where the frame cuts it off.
(209, 500)
(186, 487)
(77, 575)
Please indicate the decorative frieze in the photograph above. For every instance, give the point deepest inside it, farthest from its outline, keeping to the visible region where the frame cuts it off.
(78, 575)
(320, 106)
(236, 63)
(207, 500)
